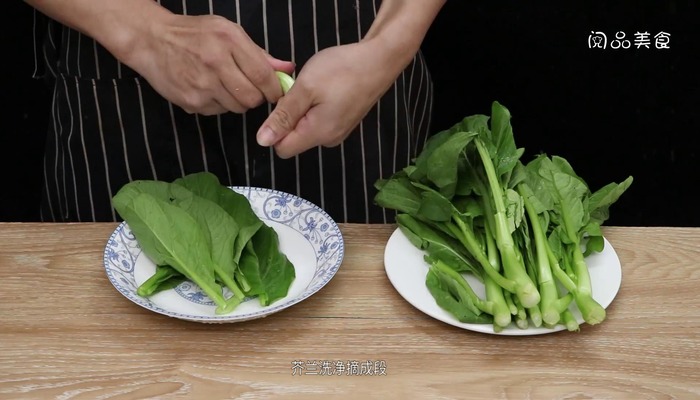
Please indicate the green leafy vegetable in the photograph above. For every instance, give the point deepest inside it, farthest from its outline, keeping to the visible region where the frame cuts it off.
(523, 230)
(165, 278)
(194, 228)
(269, 272)
(219, 227)
(207, 186)
(168, 235)
(455, 298)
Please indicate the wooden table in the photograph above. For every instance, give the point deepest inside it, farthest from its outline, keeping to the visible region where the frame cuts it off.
(66, 333)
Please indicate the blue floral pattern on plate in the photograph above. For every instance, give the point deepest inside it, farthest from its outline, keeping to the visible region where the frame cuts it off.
(123, 257)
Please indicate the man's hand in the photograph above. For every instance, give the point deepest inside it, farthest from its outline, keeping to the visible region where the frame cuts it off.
(333, 92)
(204, 64)
(207, 65)
(338, 86)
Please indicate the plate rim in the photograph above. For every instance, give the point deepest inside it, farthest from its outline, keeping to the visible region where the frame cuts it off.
(261, 313)
(488, 328)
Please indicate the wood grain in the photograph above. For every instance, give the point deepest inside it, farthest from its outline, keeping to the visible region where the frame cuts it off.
(66, 333)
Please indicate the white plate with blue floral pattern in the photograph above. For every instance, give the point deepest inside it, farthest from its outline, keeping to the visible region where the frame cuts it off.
(308, 236)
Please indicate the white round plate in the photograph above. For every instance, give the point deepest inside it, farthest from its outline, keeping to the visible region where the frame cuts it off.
(308, 237)
(407, 270)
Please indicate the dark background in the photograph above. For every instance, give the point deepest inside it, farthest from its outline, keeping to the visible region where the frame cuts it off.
(611, 113)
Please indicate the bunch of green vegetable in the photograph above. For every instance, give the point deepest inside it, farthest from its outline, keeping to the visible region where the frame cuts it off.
(196, 229)
(523, 230)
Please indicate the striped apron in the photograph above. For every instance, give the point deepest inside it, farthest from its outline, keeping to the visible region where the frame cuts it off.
(108, 126)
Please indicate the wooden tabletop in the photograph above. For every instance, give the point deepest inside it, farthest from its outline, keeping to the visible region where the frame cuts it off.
(66, 333)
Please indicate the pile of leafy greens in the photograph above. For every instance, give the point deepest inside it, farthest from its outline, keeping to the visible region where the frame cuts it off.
(196, 229)
(523, 230)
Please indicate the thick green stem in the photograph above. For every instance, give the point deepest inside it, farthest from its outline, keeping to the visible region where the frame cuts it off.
(547, 287)
(227, 280)
(512, 263)
(535, 316)
(494, 293)
(500, 310)
(559, 273)
(569, 321)
(592, 312)
(242, 281)
(150, 286)
(521, 320)
(563, 302)
(509, 302)
(466, 237)
(222, 306)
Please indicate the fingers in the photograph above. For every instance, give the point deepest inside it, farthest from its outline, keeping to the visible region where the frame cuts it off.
(288, 112)
(234, 92)
(280, 65)
(237, 93)
(213, 98)
(242, 92)
(211, 108)
(311, 131)
(254, 63)
(233, 71)
(297, 141)
(319, 126)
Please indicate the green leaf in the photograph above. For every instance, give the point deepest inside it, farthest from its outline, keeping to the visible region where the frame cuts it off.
(600, 201)
(515, 209)
(567, 192)
(249, 266)
(436, 244)
(222, 230)
(400, 195)
(562, 165)
(468, 206)
(506, 154)
(478, 123)
(452, 298)
(594, 244)
(270, 274)
(443, 164)
(435, 207)
(219, 228)
(207, 185)
(165, 277)
(466, 184)
(169, 235)
(419, 170)
(535, 188)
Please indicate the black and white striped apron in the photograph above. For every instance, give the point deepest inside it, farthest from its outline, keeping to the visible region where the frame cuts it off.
(108, 126)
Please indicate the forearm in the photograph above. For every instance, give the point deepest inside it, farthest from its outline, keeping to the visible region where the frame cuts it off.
(399, 29)
(116, 25)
